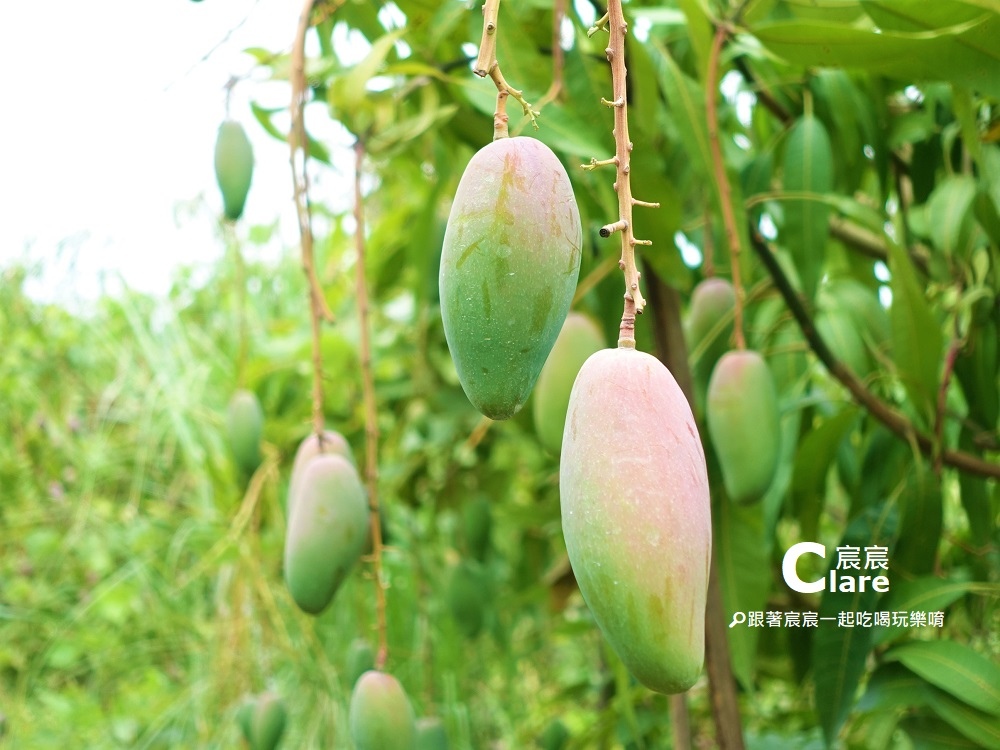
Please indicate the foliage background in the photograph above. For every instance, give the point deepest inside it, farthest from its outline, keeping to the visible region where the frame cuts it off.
(141, 593)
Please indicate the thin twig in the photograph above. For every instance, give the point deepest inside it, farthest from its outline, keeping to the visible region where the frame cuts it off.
(298, 141)
(371, 410)
(558, 56)
(615, 52)
(722, 181)
(487, 65)
(887, 415)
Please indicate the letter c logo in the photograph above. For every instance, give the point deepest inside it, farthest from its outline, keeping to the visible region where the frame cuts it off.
(788, 567)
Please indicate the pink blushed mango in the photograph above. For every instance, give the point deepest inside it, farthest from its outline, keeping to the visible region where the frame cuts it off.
(636, 514)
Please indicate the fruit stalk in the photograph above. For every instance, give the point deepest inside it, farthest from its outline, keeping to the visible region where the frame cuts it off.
(371, 411)
(722, 182)
(297, 141)
(615, 52)
(487, 65)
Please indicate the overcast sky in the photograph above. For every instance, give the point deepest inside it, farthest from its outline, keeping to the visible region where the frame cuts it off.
(109, 118)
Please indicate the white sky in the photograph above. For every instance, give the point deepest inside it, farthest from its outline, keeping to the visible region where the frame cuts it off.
(107, 131)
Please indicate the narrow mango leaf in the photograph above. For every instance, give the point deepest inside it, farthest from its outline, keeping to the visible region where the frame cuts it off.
(316, 150)
(839, 652)
(348, 92)
(920, 525)
(812, 463)
(975, 500)
(950, 212)
(893, 687)
(928, 732)
(916, 336)
(978, 726)
(687, 107)
(743, 550)
(919, 15)
(964, 54)
(959, 670)
(808, 168)
(930, 594)
(699, 31)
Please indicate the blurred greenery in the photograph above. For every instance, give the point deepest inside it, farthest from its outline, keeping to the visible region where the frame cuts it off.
(141, 593)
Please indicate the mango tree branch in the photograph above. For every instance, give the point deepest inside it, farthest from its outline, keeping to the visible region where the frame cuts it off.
(297, 141)
(722, 180)
(884, 413)
(487, 65)
(371, 410)
(634, 302)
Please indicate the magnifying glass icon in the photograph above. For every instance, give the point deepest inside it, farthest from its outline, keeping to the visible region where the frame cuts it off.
(738, 619)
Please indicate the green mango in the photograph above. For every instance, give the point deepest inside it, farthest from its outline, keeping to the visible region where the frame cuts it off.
(579, 338)
(269, 719)
(636, 514)
(509, 266)
(743, 424)
(360, 659)
(244, 425)
(331, 443)
(466, 598)
(244, 718)
(711, 301)
(233, 167)
(477, 522)
(431, 734)
(380, 716)
(326, 531)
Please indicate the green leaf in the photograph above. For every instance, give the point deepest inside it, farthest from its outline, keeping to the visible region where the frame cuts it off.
(349, 91)
(950, 213)
(812, 462)
(743, 556)
(928, 732)
(916, 336)
(808, 165)
(976, 725)
(959, 670)
(839, 653)
(920, 524)
(686, 102)
(893, 687)
(930, 594)
(966, 53)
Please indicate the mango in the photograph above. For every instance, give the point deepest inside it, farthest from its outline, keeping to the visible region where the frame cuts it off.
(477, 522)
(380, 716)
(636, 514)
(579, 338)
(431, 734)
(360, 659)
(466, 598)
(269, 719)
(326, 531)
(743, 424)
(244, 425)
(332, 443)
(711, 300)
(509, 266)
(233, 167)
